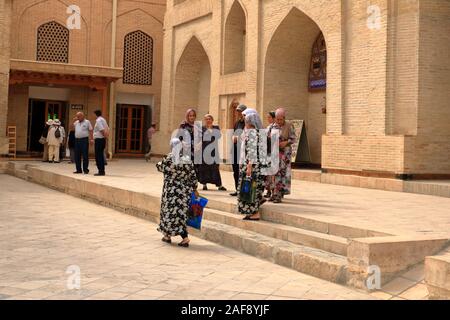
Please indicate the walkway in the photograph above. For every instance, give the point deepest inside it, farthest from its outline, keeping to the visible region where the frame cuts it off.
(43, 232)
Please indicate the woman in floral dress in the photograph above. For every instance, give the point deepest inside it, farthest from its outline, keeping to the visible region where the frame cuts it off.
(252, 163)
(282, 180)
(180, 181)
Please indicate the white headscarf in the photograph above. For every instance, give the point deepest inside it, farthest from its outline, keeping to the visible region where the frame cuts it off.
(176, 146)
(254, 119)
(249, 111)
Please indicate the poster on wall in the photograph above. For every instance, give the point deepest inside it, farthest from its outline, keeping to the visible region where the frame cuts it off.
(78, 107)
(300, 148)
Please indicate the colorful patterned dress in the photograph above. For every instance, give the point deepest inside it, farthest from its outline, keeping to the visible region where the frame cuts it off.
(180, 181)
(282, 180)
(251, 145)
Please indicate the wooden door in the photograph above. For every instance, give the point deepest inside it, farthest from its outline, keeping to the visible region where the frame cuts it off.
(53, 110)
(130, 129)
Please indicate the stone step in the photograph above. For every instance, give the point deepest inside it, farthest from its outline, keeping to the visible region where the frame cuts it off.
(272, 213)
(315, 262)
(21, 173)
(330, 243)
(338, 230)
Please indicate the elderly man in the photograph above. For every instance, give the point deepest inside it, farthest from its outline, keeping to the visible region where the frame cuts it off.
(282, 180)
(83, 133)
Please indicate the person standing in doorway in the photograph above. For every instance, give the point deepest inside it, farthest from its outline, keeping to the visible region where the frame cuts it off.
(83, 133)
(101, 131)
(44, 137)
(54, 139)
(150, 132)
(238, 130)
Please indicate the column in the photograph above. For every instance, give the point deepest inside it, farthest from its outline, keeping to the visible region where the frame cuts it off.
(5, 48)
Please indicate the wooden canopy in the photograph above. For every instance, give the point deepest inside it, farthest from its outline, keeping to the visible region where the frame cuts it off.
(50, 73)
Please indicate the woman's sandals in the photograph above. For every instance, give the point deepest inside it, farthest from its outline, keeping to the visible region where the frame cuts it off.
(184, 244)
(166, 240)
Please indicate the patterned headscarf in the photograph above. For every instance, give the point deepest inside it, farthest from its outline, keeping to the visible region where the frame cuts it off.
(254, 119)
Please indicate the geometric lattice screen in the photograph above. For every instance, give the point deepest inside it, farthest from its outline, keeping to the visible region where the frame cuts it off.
(53, 43)
(138, 58)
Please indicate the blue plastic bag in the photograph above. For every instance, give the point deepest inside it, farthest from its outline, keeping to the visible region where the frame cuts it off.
(195, 215)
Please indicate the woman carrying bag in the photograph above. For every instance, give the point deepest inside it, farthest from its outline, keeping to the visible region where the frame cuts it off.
(252, 181)
(180, 181)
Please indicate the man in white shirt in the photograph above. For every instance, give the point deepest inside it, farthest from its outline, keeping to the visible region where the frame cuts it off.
(83, 131)
(101, 131)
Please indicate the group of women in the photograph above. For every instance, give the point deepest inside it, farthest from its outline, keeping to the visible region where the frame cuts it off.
(181, 175)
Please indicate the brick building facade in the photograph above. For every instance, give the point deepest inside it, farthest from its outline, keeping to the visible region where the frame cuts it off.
(387, 75)
(382, 108)
(57, 58)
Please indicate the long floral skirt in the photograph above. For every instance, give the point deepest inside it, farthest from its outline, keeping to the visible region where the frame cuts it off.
(246, 207)
(281, 182)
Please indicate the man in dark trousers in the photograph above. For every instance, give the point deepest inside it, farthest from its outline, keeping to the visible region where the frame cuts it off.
(83, 133)
(101, 131)
(238, 130)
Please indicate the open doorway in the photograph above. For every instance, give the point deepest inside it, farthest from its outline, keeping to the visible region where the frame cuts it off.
(39, 111)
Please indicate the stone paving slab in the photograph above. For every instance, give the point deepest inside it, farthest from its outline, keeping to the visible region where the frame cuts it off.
(383, 211)
(43, 232)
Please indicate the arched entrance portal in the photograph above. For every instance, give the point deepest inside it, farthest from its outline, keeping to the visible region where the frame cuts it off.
(235, 40)
(192, 82)
(292, 76)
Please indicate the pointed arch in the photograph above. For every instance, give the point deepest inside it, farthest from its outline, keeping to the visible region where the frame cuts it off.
(192, 81)
(235, 40)
(288, 68)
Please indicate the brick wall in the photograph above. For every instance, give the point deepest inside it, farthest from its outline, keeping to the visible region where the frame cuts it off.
(387, 94)
(431, 147)
(91, 44)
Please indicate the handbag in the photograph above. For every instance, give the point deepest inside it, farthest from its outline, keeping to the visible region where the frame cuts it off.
(248, 189)
(195, 214)
(43, 140)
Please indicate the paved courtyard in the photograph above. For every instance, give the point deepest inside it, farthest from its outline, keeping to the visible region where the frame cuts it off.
(45, 235)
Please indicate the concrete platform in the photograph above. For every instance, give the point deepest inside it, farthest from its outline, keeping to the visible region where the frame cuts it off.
(439, 188)
(437, 275)
(310, 232)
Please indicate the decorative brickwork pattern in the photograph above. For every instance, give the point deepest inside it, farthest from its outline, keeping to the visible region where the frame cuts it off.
(138, 59)
(53, 43)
